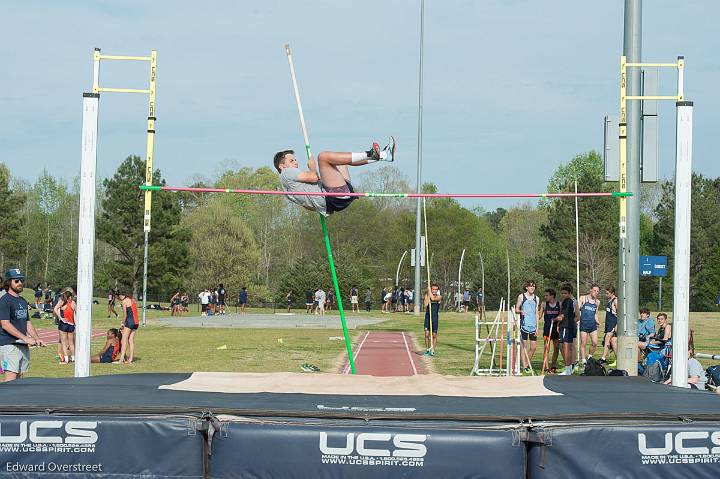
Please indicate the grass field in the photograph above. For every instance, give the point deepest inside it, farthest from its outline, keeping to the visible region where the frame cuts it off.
(165, 349)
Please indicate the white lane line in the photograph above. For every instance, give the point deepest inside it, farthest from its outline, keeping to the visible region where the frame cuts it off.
(355, 355)
(407, 349)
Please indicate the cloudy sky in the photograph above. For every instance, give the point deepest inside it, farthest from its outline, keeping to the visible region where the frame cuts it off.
(512, 88)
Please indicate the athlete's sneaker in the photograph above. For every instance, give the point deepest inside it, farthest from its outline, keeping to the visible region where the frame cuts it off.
(309, 368)
(432, 352)
(526, 370)
(374, 152)
(390, 150)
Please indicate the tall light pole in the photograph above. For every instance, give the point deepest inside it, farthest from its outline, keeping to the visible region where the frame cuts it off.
(418, 217)
(629, 257)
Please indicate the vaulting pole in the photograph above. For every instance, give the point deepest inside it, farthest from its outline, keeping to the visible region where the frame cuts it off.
(338, 295)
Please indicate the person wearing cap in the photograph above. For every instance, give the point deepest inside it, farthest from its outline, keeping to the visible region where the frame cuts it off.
(16, 330)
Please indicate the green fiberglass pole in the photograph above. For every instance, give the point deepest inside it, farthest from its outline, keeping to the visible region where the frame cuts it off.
(337, 294)
(311, 161)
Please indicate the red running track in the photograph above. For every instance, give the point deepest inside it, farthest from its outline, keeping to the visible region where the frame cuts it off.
(386, 354)
(50, 335)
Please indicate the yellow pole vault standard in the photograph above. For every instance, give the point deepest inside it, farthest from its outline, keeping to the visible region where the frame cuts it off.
(623, 186)
(311, 164)
(147, 210)
(149, 176)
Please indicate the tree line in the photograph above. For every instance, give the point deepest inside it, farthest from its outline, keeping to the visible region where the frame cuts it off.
(271, 246)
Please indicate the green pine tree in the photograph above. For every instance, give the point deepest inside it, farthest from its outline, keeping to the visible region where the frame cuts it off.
(121, 225)
(11, 221)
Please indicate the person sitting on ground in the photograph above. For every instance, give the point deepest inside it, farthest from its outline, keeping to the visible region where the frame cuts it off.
(696, 374)
(646, 329)
(663, 334)
(110, 350)
(333, 177)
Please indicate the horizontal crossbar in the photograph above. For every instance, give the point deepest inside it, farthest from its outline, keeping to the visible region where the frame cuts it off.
(653, 97)
(122, 90)
(123, 57)
(654, 65)
(614, 194)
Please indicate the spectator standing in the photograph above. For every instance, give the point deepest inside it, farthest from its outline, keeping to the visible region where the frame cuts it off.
(65, 311)
(479, 300)
(243, 299)
(320, 301)
(111, 304)
(289, 298)
(17, 332)
(368, 300)
(204, 298)
(129, 325)
(528, 307)
(330, 299)
(388, 301)
(383, 293)
(184, 302)
(549, 311)
(610, 339)
(354, 299)
(589, 306)
(410, 299)
(221, 298)
(174, 304)
(567, 328)
(38, 295)
(466, 299)
(49, 295)
(212, 303)
(309, 300)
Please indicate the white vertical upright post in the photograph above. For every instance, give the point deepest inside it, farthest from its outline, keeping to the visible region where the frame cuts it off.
(86, 234)
(681, 262)
(460, 298)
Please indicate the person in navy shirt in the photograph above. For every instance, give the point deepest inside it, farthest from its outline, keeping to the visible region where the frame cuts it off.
(17, 333)
(243, 298)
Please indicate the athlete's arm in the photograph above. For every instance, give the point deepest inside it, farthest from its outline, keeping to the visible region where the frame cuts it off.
(518, 304)
(308, 176)
(56, 309)
(596, 312)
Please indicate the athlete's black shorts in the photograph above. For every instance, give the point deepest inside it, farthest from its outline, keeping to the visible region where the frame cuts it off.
(338, 203)
(435, 321)
(65, 327)
(550, 330)
(524, 335)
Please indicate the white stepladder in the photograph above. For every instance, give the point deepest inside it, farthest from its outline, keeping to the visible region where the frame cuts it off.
(492, 338)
